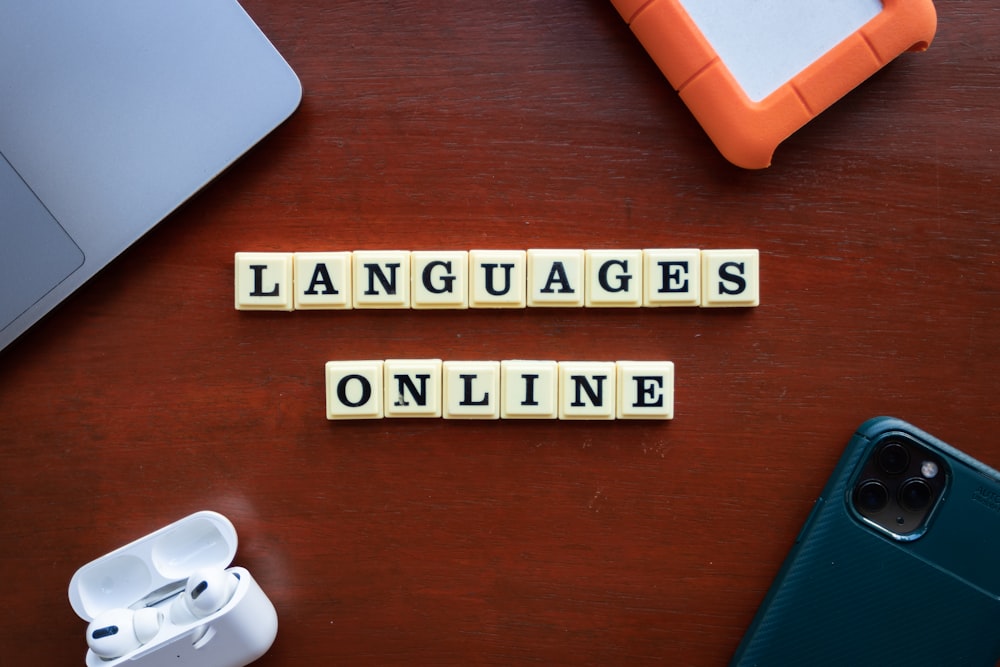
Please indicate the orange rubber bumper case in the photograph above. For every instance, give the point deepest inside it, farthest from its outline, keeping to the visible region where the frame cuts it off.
(748, 131)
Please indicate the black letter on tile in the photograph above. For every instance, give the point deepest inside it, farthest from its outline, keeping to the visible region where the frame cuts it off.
(447, 279)
(321, 276)
(623, 279)
(388, 283)
(673, 277)
(258, 279)
(366, 390)
(467, 395)
(529, 388)
(558, 275)
(596, 397)
(646, 385)
(406, 382)
(489, 278)
(736, 278)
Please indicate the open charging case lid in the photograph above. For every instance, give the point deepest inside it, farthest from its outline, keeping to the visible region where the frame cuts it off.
(158, 561)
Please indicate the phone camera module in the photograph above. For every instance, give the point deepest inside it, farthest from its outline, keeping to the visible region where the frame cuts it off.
(915, 495)
(899, 485)
(893, 458)
(871, 496)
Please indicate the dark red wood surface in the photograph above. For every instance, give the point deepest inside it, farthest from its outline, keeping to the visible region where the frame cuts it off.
(430, 125)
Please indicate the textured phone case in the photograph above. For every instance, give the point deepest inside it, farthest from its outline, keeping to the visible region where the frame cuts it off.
(848, 595)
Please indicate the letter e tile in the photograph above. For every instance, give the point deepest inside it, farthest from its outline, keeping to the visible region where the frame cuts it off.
(645, 390)
(671, 277)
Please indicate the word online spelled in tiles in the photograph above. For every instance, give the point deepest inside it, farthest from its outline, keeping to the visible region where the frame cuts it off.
(512, 389)
(460, 279)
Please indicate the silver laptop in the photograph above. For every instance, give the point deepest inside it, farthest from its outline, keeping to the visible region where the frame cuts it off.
(113, 113)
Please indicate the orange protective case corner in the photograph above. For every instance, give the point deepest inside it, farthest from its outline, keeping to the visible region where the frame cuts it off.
(747, 132)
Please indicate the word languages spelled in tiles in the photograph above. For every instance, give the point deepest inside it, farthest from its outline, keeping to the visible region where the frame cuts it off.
(459, 279)
(510, 389)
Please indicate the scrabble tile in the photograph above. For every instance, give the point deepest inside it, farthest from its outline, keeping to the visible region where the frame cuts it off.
(412, 387)
(439, 279)
(671, 277)
(645, 389)
(354, 389)
(730, 278)
(614, 278)
(381, 279)
(323, 280)
(587, 390)
(471, 389)
(555, 278)
(529, 389)
(497, 279)
(264, 280)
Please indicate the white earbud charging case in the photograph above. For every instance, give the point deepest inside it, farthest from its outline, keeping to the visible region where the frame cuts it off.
(152, 572)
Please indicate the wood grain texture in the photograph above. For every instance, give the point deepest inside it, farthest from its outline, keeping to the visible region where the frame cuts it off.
(540, 123)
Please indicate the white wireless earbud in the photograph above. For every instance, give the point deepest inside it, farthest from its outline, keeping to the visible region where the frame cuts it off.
(118, 631)
(207, 591)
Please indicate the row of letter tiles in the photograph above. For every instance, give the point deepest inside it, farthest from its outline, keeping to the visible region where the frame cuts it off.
(511, 389)
(460, 279)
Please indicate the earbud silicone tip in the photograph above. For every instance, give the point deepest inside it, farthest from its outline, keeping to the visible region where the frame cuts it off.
(147, 623)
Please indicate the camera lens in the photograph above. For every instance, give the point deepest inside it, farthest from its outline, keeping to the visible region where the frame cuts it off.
(871, 496)
(915, 495)
(893, 458)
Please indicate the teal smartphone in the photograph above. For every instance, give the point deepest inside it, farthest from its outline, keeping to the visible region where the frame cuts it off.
(897, 564)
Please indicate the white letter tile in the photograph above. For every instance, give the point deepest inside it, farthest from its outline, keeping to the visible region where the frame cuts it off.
(323, 280)
(587, 390)
(354, 389)
(497, 279)
(555, 278)
(530, 389)
(645, 390)
(614, 278)
(671, 277)
(381, 279)
(439, 279)
(412, 388)
(730, 278)
(264, 280)
(471, 389)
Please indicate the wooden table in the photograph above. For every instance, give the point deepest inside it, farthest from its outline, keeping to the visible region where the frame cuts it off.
(536, 124)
